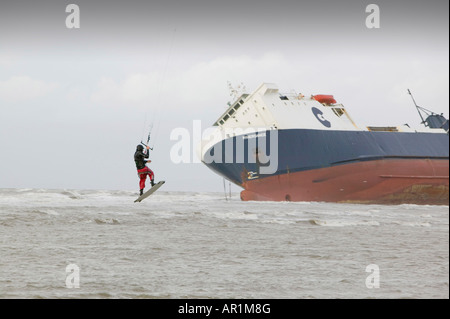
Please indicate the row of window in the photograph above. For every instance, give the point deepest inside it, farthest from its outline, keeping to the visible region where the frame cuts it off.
(231, 112)
(338, 111)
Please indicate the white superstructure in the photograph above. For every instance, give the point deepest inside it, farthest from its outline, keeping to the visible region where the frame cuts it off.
(267, 107)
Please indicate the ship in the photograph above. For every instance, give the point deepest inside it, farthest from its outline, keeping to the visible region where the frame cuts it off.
(291, 147)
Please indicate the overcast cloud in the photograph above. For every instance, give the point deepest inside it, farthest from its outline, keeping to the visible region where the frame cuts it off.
(75, 102)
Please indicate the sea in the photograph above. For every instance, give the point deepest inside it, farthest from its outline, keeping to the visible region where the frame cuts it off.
(99, 244)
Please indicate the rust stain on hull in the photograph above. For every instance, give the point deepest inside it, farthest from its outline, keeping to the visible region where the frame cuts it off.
(400, 181)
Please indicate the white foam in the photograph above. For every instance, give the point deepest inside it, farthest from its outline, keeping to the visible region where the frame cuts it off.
(343, 223)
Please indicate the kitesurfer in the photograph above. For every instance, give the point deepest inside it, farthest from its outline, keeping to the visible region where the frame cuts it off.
(140, 158)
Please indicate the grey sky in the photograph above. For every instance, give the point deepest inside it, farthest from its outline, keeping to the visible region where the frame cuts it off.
(75, 102)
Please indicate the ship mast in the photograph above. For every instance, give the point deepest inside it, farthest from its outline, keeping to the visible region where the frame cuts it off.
(417, 107)
(433, 120)
(236, 92)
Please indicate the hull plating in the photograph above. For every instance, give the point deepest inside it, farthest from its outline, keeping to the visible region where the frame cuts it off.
(344, 166)
(392, 181)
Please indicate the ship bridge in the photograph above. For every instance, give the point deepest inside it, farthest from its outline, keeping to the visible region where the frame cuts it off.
(267, 108)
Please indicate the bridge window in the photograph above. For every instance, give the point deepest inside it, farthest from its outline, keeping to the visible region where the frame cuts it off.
(338, 111)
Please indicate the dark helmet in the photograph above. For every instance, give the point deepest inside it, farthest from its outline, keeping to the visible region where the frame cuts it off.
(139, 147)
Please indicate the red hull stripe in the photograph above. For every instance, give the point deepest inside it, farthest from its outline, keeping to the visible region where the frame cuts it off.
(385, 181)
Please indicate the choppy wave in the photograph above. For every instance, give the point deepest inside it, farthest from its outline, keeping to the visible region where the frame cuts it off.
(111, 221)
(213, 205)
(341, 223)
(177, 244)
(46, 212)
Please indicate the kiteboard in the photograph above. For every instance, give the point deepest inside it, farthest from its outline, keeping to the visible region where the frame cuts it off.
(150, 191)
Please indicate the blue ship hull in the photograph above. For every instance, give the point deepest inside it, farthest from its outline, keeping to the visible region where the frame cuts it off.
(305, 151)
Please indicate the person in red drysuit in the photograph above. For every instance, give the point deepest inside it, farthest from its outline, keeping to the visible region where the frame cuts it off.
(140, 158)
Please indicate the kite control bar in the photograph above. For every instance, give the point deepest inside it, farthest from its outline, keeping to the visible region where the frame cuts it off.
(148, 140)
(147, 146)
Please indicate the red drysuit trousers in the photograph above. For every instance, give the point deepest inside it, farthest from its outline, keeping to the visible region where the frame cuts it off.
(143, 173)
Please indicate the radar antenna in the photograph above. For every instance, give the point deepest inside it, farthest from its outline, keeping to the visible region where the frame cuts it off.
(237, 91)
